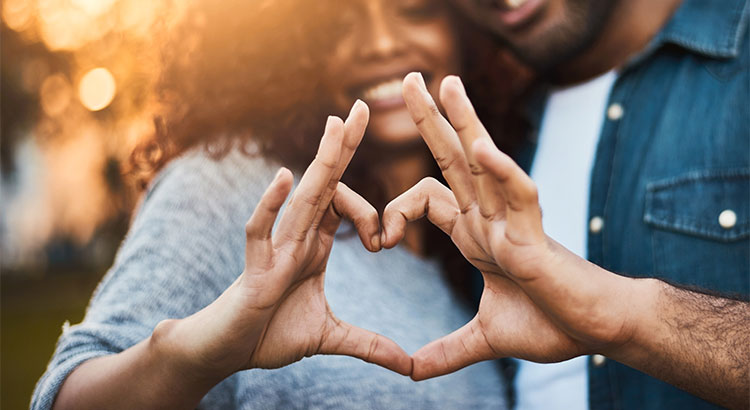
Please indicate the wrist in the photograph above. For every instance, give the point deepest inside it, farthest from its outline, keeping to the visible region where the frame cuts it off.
(640, 325)
(170, 346)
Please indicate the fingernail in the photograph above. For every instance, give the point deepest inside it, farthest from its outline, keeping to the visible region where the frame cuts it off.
(375, 242)
(278, 173)
(421, 80)
(460, 84)
(329, 122)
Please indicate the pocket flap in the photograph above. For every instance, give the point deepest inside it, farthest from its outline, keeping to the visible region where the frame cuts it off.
(692, 203)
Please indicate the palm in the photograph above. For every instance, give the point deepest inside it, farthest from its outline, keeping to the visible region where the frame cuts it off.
(302, 319)
(491, 213)
(276, 312)
(297, 328)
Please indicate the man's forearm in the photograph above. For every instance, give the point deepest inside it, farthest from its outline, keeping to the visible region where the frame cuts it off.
(697, 342)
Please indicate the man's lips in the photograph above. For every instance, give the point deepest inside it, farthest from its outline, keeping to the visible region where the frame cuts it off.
(514, 13)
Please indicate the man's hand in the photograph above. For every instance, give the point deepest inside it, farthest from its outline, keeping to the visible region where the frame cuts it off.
(529, 309)
(540, 301)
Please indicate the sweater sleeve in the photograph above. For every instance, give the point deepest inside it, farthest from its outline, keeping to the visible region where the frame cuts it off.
(184, 247)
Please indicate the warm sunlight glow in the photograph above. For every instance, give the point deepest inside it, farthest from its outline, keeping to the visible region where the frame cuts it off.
(97, 89)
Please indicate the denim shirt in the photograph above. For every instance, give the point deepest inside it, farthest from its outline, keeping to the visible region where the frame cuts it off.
(672, 157)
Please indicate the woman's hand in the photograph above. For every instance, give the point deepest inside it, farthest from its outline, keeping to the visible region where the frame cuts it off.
(276, 312)
(540, 302)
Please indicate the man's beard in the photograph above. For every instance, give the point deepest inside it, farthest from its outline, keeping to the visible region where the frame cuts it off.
(581, 26)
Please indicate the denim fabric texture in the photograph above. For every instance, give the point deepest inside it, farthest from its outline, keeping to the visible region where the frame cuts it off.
(673, 155)
(186, 245)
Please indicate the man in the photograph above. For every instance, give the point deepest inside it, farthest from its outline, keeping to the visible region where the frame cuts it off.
(655, 184)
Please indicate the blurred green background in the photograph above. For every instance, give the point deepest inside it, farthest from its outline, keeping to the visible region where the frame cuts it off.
(31, 316)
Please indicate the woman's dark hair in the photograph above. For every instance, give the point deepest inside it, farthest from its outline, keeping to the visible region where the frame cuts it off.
(241, 74)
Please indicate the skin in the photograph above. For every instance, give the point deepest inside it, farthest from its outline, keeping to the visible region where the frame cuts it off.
(571, 41)
(386, 40)
(276, 313)
(541, 302)
(390, 39)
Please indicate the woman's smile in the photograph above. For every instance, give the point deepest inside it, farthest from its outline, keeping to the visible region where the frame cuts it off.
(389, 40)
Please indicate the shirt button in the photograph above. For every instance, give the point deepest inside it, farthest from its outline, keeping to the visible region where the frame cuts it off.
(727, 219)
(615, 112)
(596, 224)
(598, 360)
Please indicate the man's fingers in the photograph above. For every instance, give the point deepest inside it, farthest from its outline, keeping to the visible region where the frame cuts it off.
(469, 129)
(455, 351)
(260, 225)
(349, 340)
(354, 130)
(303, 207)
(428, 197)
(440, 137)
(350, 205)
(522, 200)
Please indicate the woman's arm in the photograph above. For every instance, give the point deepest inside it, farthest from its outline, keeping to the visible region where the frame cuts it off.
(274, 314)
(149, 375)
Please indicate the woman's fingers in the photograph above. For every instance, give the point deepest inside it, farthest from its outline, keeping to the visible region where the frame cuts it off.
(524, 218)
(303, 207)
(428, 197)
(455, 351)
(440, 137)
(350, 205)
(349, 340)
(354, 130)
(469, 128)
(260, 225)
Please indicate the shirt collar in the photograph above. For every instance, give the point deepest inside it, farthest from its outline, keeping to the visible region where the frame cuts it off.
(712, 28)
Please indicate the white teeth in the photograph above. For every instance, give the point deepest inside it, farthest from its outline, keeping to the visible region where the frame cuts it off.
(385, 90)
(514, 4)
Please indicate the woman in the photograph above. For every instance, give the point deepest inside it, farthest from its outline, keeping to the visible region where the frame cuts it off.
(184, 309)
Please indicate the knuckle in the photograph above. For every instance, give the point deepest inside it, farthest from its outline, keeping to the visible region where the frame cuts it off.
(476, 169)
(313, 199)
(372, 349)
(428, 182)
(433, 110)
(444, 162)
(530, 192)
(327, 163)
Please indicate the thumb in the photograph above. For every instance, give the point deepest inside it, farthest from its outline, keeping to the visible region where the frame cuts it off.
(464, 347)
(349, 340)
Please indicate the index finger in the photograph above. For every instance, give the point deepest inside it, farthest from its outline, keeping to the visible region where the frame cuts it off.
(354, 130)
(441, 138)
(303, 206)
(469, 129)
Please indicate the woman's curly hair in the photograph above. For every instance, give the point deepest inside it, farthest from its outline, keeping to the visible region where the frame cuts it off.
(246, 74)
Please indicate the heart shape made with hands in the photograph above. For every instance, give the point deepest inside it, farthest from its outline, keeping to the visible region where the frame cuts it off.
(276, 312)
(491, 212)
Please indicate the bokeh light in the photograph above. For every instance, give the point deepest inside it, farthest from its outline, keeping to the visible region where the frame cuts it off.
(97, 89)
(55, 94)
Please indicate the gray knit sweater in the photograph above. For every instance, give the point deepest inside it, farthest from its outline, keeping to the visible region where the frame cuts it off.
(186, 245)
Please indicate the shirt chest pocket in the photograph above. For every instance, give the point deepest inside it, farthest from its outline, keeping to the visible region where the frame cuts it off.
(701, 225)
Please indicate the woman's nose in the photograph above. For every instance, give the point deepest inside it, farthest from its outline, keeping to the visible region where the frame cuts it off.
(379, 35)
